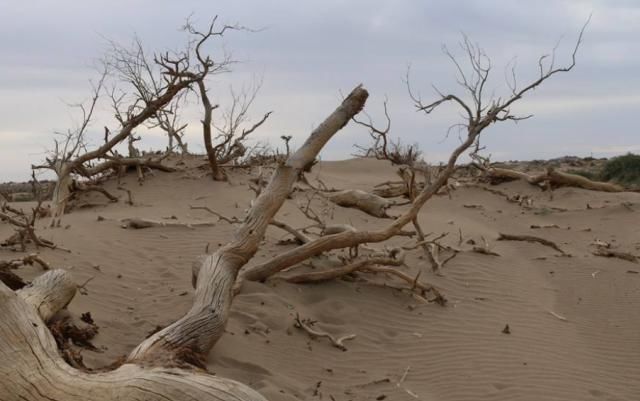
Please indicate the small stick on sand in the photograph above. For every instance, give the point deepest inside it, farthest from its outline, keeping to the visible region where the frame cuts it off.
(139, 224)
(232, 220)
(404, 375)
(373, 382)
(564, 319)
(305, 324)
(530, 238)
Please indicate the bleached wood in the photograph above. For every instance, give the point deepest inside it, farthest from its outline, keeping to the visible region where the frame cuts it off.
(354, 198)
(31, 368)
(200, 328)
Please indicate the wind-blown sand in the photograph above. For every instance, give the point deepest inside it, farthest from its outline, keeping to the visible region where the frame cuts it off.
(142, 278)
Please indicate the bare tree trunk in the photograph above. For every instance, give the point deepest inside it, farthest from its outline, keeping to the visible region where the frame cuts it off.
(203, 325)
(61, 193)
(216, 173)
(31, 368)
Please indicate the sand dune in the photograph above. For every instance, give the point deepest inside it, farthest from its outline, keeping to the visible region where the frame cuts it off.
(574, 321)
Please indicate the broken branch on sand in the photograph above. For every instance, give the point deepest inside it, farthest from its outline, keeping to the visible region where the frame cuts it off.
(138, 223)
(351, 267)
(609, 253)
(530, 238)
(306, 325)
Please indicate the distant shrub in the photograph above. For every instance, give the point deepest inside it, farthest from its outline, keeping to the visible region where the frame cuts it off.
(22, 197)
(624, 170)
(590, 174)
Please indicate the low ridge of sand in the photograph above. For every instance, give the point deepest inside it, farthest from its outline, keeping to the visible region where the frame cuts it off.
(574, 321)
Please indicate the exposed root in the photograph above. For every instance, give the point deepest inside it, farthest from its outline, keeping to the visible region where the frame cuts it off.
(67, 335)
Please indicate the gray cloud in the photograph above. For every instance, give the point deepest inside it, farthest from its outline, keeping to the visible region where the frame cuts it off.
(309, 51)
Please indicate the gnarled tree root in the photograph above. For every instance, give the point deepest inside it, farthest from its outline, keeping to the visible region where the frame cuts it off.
(32, 369)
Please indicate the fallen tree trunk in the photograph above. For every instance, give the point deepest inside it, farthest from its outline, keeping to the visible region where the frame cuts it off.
(204, 323)
(573, 180)
(371, 204)
(497, 175)
(553, 177)
(161, 367)
(32, 369)
(353, 238)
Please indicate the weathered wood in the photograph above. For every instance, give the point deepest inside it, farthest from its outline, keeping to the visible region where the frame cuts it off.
(573, 180)
(530, 238)
(554, 177)
(200, 328)
(49, 292)
(31, 368)
(371, 204)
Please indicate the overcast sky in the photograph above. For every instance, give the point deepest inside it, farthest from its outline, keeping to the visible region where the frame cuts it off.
(309, 52)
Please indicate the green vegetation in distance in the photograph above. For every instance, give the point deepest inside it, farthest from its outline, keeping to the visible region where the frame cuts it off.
(623, 170)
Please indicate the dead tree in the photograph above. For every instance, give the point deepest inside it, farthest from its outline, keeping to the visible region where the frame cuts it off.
(155, 85)
(234, 131)
(480, 112)
(169, 364)
(231, 134)
(550, 178)
(384, 148)
(168, 119)
(24, 223)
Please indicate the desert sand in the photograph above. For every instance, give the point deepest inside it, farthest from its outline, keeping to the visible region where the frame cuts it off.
(574, 320)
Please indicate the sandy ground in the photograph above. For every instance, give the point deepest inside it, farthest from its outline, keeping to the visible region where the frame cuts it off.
(142, 278)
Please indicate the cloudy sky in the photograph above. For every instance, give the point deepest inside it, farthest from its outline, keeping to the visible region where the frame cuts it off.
(309, 52)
